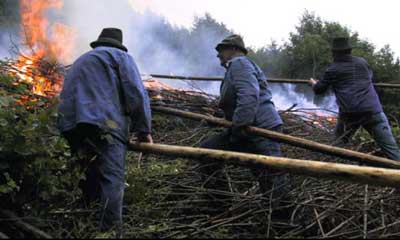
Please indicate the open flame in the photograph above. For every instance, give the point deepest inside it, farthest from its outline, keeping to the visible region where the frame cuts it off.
(48, 45)
(157, 87)
(322, 120)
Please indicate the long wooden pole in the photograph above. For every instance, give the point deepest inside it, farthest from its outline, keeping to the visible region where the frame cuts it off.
(368, 175)
(294, 141)
(271, 80)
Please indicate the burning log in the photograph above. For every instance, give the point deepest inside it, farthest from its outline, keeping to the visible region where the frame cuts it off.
(298, 142)
(368, 175)
(271, 80)
(44, 77)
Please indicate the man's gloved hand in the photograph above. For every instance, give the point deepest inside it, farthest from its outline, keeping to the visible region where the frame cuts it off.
(238, 133)
(312, 82)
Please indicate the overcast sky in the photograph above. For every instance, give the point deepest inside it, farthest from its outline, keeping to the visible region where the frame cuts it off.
(260, 21)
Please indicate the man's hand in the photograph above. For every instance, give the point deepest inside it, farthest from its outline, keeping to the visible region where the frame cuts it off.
(238, 134)
(146, 138)
(143, 138)
(312, 82)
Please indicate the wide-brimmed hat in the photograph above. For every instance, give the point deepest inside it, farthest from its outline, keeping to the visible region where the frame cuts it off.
(110, 37)
(341, 44)
(232, 41)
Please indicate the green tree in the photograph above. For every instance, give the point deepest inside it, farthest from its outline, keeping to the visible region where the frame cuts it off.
(308, 49)
(205, 34)
(387, 68)
(270, 59)
(307, 53)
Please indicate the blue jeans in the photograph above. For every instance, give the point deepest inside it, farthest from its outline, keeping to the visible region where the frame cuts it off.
(267, 178)
(376, 124)
(103, 161)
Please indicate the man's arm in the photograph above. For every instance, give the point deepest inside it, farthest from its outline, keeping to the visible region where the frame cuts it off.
(247, 93)
(136, 98)
(323, 85)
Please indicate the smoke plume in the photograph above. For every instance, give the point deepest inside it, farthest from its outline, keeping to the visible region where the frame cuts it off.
(159, 47)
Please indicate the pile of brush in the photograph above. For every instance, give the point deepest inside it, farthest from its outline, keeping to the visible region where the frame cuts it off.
(166, 198)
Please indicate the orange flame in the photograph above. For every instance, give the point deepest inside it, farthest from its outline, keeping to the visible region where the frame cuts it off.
(54, 41)
(321, 120)
(48, 42)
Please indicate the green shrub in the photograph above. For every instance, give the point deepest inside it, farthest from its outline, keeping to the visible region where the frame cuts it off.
(33, 155)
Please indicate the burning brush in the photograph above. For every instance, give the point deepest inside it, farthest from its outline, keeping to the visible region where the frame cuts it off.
(47, 45)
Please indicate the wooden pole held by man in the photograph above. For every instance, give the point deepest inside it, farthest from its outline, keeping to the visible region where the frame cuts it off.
(357, 174)
(294, 141)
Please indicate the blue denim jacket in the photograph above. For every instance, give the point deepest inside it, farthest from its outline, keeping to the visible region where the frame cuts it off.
(245, 96)
(351, 80)
(104, 88)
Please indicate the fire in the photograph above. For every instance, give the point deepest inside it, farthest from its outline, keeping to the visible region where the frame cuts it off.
(47, 43)
(157, 87)
(331, 119)
(321, 120)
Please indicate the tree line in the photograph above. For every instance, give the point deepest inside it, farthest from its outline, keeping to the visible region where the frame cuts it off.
(305, 54)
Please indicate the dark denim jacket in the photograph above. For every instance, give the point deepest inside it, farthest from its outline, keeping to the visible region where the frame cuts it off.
(104, 88)
(351, 80)
(245, 96)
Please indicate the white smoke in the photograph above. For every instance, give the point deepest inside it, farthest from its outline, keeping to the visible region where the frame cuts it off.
(147, 36)
(286, 96)
(7, 39)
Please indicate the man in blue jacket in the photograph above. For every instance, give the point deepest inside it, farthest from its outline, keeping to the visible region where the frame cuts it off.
(102, 101)
(350, 78)
(246, 100)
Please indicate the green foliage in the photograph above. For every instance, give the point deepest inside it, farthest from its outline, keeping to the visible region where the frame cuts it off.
(143, 180)
(387, 68)
(33, 156)
(307, 53)
(390, 99)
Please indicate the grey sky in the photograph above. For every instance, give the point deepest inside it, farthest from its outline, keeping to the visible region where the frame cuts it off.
(259, 21)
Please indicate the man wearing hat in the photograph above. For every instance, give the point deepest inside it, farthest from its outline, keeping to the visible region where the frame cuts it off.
(246, 100)
(350, 78)
(102, 101)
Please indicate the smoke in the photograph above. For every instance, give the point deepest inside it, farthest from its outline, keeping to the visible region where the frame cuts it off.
(157, 46)
(3, 46)
(161, 48)
(286, 96)
(9, 21)
(9, 39)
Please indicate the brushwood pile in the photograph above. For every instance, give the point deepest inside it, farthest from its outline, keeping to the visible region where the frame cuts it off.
(165, 197)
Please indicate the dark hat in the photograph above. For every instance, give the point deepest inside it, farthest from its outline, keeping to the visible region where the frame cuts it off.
(341, 44)
(232, 41)
(110, 37)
